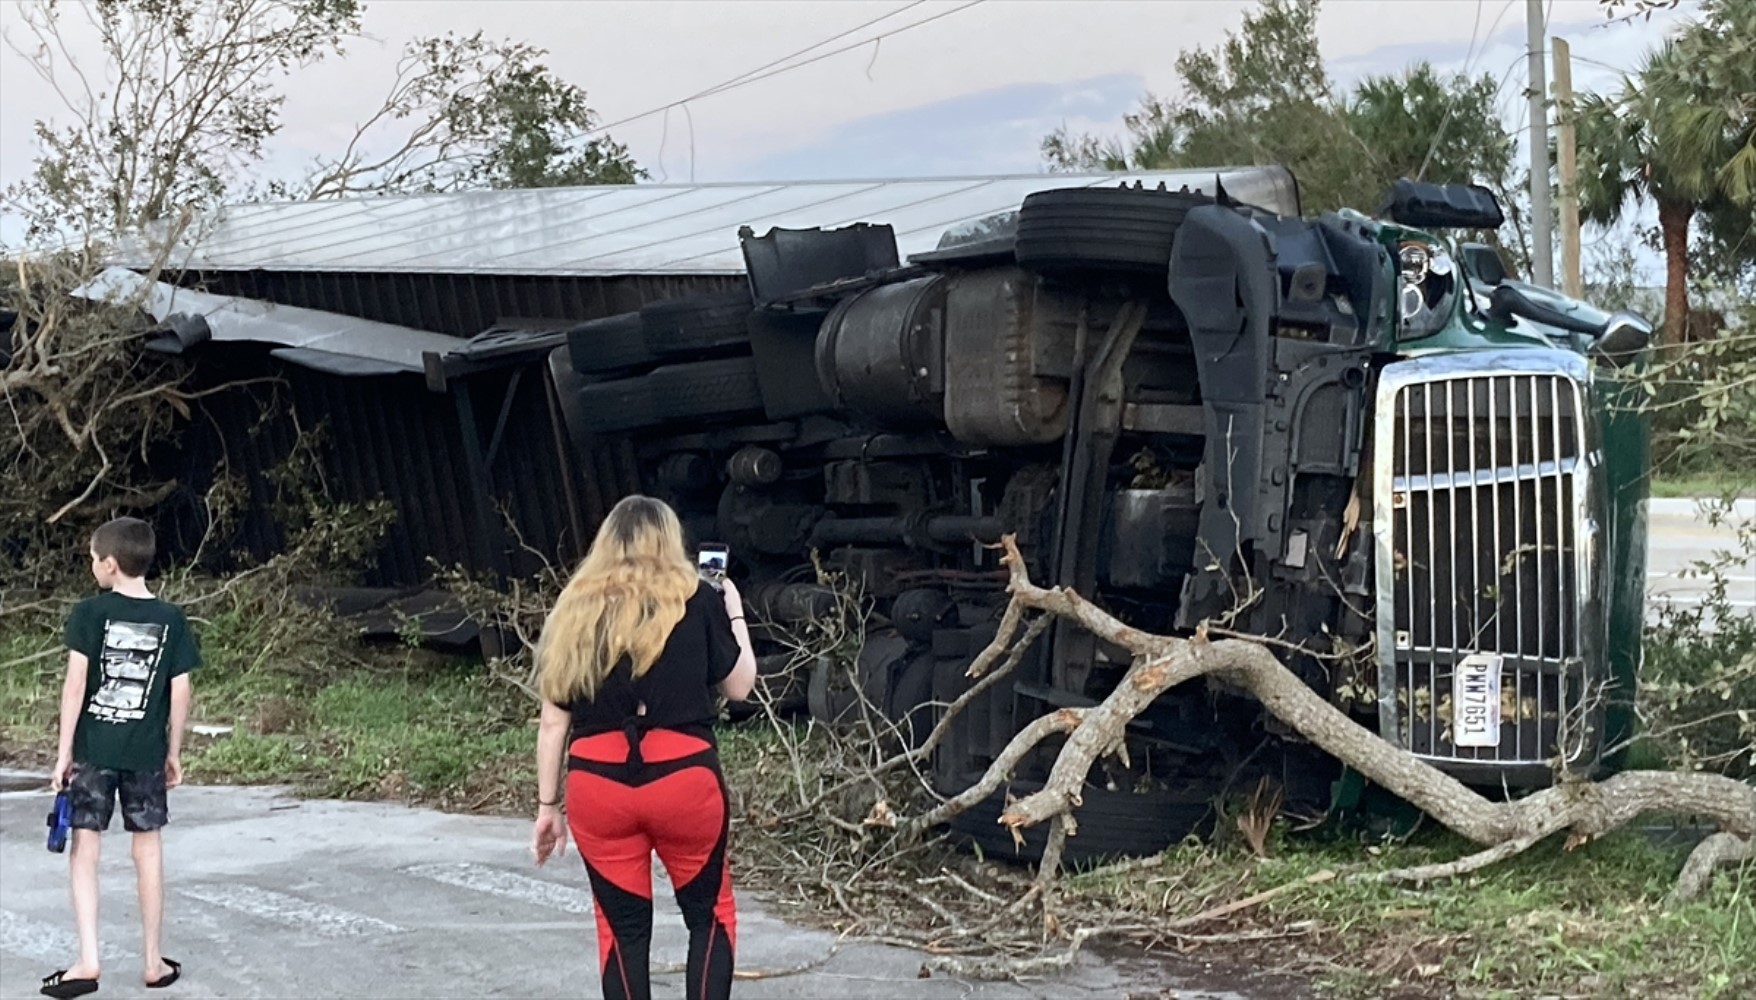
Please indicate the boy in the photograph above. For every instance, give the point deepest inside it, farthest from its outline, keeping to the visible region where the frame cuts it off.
(123, 707)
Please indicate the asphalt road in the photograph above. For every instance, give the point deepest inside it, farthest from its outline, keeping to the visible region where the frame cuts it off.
(270, 896)
(1678, 536)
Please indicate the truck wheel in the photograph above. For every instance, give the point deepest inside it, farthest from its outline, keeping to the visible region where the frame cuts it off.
(681, 327)
(1101, 229)
(611, 344)
(706, 389)
(623, 404)
(1111, 825)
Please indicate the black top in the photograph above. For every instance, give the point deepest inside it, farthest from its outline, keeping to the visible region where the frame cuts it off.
(133, 646)
(678, 688)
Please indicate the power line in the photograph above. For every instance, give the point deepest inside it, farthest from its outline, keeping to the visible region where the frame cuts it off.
(1474, 30)
(1468, 60)
(1625, 71)
(774, 68)
(905, 8)
(1468, 68)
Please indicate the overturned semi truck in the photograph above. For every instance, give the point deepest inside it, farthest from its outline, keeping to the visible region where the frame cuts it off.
(1357, 435)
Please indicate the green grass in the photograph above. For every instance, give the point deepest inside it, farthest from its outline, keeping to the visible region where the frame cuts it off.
(1590, 922)
(394, 723)
(30, 682)
(1711, 485)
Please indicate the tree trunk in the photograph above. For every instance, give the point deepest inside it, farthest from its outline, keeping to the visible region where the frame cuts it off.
(1673, 224)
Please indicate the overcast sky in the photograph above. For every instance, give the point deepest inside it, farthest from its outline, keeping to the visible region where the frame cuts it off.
(972, 92)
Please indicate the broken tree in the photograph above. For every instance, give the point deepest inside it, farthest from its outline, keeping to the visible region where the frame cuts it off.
(1584, 810)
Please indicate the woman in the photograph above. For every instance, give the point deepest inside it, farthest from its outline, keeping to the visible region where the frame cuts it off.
(627, 663)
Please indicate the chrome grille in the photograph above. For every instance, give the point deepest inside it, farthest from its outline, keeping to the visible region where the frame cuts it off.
(1485, 534)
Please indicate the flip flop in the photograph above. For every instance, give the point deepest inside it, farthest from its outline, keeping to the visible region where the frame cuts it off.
(176, 973)
(59, 986)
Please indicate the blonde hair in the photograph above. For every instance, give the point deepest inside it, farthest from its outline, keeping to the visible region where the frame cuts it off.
(624, 599)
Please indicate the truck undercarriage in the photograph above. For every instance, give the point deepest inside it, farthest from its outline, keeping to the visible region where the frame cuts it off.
(1189, 409)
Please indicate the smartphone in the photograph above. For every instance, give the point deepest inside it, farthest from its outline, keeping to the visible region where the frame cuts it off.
(710, 561)
(60, 821)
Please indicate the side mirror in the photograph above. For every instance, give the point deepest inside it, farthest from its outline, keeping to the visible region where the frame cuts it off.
(1508, 301)
(1624, 337)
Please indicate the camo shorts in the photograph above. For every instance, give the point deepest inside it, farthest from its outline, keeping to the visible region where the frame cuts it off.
(93, 792)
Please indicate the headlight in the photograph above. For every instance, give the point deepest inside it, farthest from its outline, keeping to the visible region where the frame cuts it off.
(1429, 282)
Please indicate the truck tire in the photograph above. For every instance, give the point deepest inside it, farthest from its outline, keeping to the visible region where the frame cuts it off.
(724, 387)
(1112, 825)
(1101, 229)
(689, 326)
(623, 404)
(611, 344)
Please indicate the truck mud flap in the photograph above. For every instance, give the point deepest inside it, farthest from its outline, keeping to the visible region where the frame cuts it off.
(1223, 279)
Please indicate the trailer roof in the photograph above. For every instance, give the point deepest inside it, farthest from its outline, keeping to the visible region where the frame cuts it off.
(614, 230)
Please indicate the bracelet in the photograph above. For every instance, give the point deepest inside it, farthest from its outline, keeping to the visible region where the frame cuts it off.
(737, 618)
(543, 802)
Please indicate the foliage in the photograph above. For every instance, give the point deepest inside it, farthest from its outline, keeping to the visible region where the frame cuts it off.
(1698, 685)
(1263, 97)
(190, 94)
(1682, 134)
(85, 407)
(1704, 408)
(186, 99)
(490, 115)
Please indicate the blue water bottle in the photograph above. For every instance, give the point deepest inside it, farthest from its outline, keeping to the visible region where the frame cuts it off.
(60, 821)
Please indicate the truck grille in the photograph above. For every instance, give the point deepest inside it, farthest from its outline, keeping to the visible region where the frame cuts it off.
(1485, 536)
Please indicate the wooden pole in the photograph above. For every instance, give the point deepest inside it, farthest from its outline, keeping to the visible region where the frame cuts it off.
(1567, 159)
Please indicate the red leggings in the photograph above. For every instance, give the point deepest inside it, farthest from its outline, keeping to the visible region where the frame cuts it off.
(661, 792)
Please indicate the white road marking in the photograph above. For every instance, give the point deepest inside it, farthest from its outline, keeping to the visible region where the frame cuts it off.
(508, 885)
(1696, 599)
(318, 918)
(41, 942)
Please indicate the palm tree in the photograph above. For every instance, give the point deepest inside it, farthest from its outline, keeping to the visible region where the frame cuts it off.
(1682, 132)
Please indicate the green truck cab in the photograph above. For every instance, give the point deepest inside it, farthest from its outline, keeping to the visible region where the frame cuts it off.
(1509, 512)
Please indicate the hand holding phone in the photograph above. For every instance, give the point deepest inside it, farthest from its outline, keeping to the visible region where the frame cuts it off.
(710, 561)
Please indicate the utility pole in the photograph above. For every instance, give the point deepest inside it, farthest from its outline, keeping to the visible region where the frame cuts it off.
(1541, 239)
(1567, 159)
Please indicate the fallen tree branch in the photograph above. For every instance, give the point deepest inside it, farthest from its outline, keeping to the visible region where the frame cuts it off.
(1064, 720)
(1720, 850)
(1462, 866)
(1586, 810)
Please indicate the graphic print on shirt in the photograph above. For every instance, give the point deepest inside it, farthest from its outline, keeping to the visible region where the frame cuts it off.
(128, 662)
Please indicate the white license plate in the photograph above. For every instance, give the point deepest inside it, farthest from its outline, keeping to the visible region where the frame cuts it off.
(1475, 701)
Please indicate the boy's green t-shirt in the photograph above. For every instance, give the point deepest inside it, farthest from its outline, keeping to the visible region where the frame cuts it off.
(133, 647)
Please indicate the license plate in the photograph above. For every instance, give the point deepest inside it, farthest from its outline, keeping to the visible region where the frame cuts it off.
(1475, 701)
